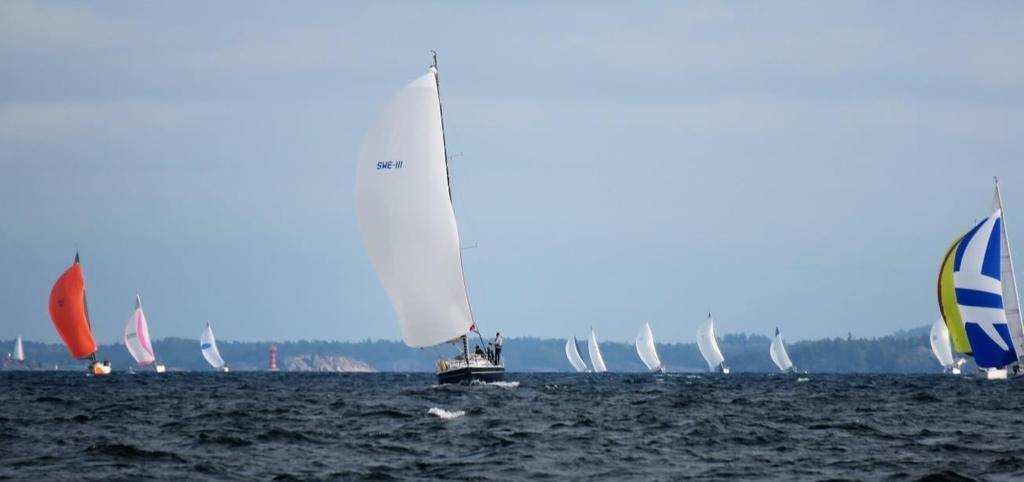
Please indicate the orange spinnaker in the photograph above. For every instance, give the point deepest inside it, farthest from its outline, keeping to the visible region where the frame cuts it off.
(68, 312)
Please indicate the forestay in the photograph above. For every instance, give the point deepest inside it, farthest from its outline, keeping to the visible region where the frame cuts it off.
(778, 353)
(645, 348)
(136, 336)
(406, 217)
(594, 351)
(209, 346)
(708, 344)
(941, 348)
(572, 352)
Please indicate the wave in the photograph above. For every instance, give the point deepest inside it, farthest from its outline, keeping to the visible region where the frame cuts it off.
(445, 414)
(803, 379)
(513, 384)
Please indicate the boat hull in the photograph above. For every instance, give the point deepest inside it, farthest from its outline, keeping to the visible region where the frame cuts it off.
(470, 374)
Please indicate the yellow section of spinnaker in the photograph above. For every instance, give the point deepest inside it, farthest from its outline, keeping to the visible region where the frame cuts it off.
(947, 302)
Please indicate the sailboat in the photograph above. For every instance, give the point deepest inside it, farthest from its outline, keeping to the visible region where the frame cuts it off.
(19, 351)
(407, 221)
(210, 352)
(137, 340)
(708, 345)
(777, 350)
(70, 314)
(645, 348)
(977, 292)
(941, 348)
(572, 352)
(594, 351)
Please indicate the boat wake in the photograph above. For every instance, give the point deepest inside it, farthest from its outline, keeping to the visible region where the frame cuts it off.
(513, 384)
(445, 414)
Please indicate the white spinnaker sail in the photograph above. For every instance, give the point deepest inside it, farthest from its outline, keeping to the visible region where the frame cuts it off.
(136, 336)
(19, 350)
(573, 354)
(708, 344)
(941, 347)
(1011, 301)
(645, 348)
(778, 353)
(209, 346)
(405, 213)
(594, 351)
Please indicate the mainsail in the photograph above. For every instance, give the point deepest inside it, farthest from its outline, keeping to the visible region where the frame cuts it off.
(136, 336)
(1011, 299)
(19, 350)
(778, 353)
(645, 348)
(708, 344)
(70, 312)
(594, 351)
(572, 352)
(209, 345)
(406, 218)
(940, 343)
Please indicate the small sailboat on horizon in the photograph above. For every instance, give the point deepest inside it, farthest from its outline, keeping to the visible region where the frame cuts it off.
(777, 351)
(572, 352)
(978, 300)
(19, 350)
(594, 352)
(407, 221)
(942, 349)
(208, 344)
(69, 312)
(708, 345)
(137, 340)
(646, 350)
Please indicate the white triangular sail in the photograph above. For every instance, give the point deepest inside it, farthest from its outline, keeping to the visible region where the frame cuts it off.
(708, 344)
(941, 347)
(594, 351)
(19, 350)
(572, 352)
(406, 218)
(778, 353)
(1011, 300)
(645, 348)
(136, 336)
(209, 346)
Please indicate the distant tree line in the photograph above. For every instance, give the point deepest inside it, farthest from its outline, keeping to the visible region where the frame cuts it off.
(904, 352)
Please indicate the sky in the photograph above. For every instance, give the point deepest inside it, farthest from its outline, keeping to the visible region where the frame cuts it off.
(790, 164)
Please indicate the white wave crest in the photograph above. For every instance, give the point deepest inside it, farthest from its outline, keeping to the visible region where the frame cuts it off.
(445, 414)
(802, 379)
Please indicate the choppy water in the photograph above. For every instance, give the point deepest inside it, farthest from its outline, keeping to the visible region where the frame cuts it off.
(386, 426)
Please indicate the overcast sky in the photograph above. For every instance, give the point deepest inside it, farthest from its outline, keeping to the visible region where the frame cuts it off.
(801, 165)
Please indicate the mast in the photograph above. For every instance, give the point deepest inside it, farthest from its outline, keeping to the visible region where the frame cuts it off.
(1012, 306)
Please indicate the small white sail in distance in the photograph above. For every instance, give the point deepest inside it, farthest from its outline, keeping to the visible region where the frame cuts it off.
(594, 351)
(19, 350)
(778, 353)
(209, 346)
(941, 347)
(136, 336)
(708, 344)
(406, 219)
(573, 354)
(645, 348)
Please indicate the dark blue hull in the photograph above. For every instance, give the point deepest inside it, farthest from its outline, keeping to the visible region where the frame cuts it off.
(467, 375)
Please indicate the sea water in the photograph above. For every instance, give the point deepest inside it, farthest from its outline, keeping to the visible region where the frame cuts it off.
(64, 425)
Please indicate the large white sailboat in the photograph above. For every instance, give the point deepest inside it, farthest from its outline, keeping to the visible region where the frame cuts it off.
(572, 352)
(777, 351)
(137, 340)
(19, 351)
(708, 345)
(208, 344)
(594, 351)
(941, 348)
(978, 299)
(407, 221)
(645, 348)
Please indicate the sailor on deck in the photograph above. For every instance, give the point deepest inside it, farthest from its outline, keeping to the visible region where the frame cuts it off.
(497, 348)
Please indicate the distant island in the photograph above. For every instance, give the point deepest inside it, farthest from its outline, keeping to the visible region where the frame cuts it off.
(902, 352)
